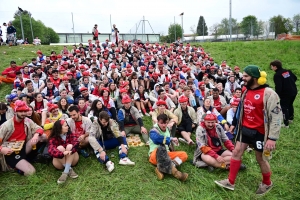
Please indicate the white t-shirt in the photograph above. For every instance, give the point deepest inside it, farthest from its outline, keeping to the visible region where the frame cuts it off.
(37, 85)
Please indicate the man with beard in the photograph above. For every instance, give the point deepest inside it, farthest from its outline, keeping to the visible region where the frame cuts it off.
(19, 128)
(257, 122)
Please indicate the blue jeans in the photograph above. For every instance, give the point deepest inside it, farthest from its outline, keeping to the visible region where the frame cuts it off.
(111, 144)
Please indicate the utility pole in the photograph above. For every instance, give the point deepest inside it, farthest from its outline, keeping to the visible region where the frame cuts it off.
(230, 20)
(203, 27)
(31, 25)
(73, 29)
(20, 13)
(175, 28)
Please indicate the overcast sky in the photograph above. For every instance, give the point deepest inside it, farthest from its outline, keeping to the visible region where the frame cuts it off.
(126, 14)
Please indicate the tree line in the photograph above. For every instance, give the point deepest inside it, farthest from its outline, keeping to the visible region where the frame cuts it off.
(250, 26)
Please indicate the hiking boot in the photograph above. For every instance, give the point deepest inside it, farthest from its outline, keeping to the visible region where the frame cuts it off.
(126, 161)
(84, 153)
(225, 184)
(110, 166)
(159, 175)
(210, 168)
(263, 188)
(62, 178)
(179, 175)
(72, 173)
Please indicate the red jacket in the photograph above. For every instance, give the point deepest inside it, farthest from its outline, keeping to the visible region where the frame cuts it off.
(57, 141)
(11, 69)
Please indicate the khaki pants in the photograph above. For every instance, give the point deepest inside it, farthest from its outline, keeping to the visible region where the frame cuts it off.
(136, 130)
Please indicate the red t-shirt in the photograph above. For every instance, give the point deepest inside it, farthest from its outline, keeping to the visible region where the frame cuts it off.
(253, 110)
(217, 104)
(19, 133)
(79, 130)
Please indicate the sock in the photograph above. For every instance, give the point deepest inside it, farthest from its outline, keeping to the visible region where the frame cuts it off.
(140, 111)
(234, 169)
(144, 111)
(266, 178)
(67, 167)
(151, 109)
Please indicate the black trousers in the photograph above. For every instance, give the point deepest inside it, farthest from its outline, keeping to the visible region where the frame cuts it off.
(287, 107)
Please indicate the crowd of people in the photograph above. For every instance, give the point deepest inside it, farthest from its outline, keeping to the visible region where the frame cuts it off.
(92, 97)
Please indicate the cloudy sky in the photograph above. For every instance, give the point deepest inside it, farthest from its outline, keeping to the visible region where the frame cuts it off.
(127, 14)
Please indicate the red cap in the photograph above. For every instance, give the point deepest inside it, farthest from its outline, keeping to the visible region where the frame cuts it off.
(182, 81)
(128, 66)
(85, 73)
(161, 102)
(69, 73)
(143, 68)
(65, 78)
(183, 99)
(203, 68)
(160, 62)
(112, 45)
(151, 67)
(201, 83)
(77, 51)
(174, 76)
(105, 61)
(82, 67)
(236, 67)
(126, 99)
(123, 90)
(65, 63)
(210, 117)
(62, 69)
(39, 52)
(71, 55)
(113, 66)
(117, 50)
(76, 60)
(51, 106)
(59, 56)
(83, 89)
(20, 106)
(105, 89)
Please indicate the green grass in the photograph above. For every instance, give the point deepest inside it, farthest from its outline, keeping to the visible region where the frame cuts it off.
(140, 182)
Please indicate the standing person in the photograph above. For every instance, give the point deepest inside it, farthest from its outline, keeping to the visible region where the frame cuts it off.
(11, 33)
(63, 145)
(258, 121)
(95, 32)
(16, 129)
(285, 87)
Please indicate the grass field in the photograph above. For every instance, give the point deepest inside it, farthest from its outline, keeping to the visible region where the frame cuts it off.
(140, 182)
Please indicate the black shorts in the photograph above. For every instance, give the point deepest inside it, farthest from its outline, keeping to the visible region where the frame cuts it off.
(187, 126)
(220, 152)
(95, 37)
(257, 142)
(13, 159)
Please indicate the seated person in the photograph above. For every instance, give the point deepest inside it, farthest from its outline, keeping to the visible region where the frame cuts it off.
(187, 120)
(63, 145)
(231, 85)
(19, 82)
(96, 108)
(162, 109)
(108, 102)
(218, 102)
(159, 153)
(207, 107)
(50, 91)
(231, 112)
(85, 95)
(162, 96)
(39, 105)
(6, 113)
(130, 120)
(105, 135)
(53, 117)
(67, 86)
(37, 83)
(29, 90)
(55, 79)
(211, 138)
(80, 126)
(83, 107)
(142, 100)
(37, 41)
(201, 93)
(63, 94)
(187, 92)
(16, 129)
(153, 95)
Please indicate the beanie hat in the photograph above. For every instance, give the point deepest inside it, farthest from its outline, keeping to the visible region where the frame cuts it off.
(20, 106)
(126, 99)
(253, 70)
(51, 106)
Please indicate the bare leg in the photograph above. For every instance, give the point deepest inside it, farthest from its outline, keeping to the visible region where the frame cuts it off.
(138, 105)
(44, 117)
(186, 136)
(264, 165)
(84, 143)
(210, 160)
(136, 84)
(26, 167)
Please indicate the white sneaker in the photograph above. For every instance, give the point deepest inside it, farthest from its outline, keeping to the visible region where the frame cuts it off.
(183, 140)
(147, 114)
(126, 161)
(110, 166)
(141, 114)
(285, 126)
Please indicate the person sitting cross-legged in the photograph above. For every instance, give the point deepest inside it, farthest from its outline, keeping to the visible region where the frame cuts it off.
(159, 153)
(63, 145)
(104, 135)
(210, 138)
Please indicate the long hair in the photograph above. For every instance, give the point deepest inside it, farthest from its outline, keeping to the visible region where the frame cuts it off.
(34, 116)
(57, 129)
(95, 109)
(60, 106)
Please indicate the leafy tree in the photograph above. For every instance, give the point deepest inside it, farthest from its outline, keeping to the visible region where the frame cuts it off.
(249, 26)
(46, 34)
(215, 30)
(172, 29)
(200, 26)
(281, 24)
(194, 31)
(296, 21)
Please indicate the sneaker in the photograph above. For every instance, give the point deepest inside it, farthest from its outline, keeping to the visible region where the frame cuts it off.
(141, 114)
(225, 184)
(62, 178)
(263, 188)
(147, 114)
(126, 161)
(290, 121)
(285, 126)
(183, 140)
(110, 166)
(84, 153)
(147, 143)
(72, 173)
(159, 175)
(249, 149)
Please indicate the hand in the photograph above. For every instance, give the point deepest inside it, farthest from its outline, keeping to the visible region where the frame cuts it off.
(270, 145)
(193, 125)
(6, 150)
(154, 121)
(102, 155)
(81, 138)
(231, 129)
(175, 140)
(35, 139)
(61, 148)
(123, 133)
(220, 159)
(67, 153)
(69, 147)
(170, 125)
(143, 130)
(123, 149)
(226, 127)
